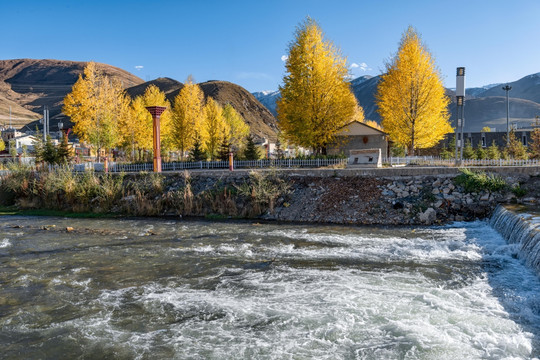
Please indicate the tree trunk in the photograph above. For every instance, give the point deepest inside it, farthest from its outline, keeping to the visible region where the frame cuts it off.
(412, 142)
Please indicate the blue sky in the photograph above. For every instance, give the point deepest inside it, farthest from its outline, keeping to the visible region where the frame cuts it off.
(244, 41)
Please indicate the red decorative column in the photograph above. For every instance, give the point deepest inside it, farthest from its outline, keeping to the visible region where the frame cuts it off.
(156, 112)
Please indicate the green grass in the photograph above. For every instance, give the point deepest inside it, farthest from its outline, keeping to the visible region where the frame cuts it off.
(519, 191)
(477, 181)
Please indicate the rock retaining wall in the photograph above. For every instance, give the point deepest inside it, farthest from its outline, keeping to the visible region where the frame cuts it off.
(345, 197)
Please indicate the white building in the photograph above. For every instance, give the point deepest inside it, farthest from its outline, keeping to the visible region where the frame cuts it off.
(23, 140)
(9, 134)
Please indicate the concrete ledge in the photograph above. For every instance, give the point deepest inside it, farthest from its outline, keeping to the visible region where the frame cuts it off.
(370, 172)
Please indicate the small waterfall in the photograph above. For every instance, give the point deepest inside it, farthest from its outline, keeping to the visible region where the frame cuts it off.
(522, 229)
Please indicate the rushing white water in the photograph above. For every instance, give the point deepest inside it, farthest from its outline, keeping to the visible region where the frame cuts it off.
(202, 290)
(5, 243)
(523, 230)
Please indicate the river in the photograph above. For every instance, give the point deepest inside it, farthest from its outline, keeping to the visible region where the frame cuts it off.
(155, 289)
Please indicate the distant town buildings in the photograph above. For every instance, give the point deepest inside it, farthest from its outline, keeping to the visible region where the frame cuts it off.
(486, 139)
(10, 133)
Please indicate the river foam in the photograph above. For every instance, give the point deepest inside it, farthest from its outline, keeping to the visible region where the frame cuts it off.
(5, 243)
(230, 291)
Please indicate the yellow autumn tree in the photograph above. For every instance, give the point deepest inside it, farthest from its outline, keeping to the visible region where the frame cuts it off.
(358, 114)
(316, 99)
(141, 127)
(411, 98)
(115, 112)
(97, 105)
(214, 128)
(534, 146)
(187, 116)
(238, 129)
(136, 131)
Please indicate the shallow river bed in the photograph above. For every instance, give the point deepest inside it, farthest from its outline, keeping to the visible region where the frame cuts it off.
(152, 289)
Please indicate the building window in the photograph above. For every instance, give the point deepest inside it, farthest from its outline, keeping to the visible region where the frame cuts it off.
(483, 140)
(524, 139)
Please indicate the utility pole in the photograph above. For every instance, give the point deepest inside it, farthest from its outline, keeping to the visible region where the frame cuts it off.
(460, 104)
(507, 89)
(45, 122)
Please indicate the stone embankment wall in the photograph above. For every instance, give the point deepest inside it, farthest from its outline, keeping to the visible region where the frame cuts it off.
(399, 196)
(402, 196)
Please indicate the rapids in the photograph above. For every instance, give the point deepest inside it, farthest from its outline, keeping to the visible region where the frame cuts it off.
(153, 288)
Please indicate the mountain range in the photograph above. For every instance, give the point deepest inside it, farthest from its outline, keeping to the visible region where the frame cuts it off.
(261, 122)
(484, 106)
(28, 85)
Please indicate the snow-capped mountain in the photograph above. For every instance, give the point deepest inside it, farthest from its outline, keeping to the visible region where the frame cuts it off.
(485, 106)
(268, 99)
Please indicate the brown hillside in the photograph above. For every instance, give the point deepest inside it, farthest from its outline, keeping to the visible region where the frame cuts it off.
(261, 121)
(33, 84)
(167, 85)
(19, 115)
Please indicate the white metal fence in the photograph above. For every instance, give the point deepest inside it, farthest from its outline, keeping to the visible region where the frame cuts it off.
(188, 165)
(289, 163)
(27, 160)
(437, 161)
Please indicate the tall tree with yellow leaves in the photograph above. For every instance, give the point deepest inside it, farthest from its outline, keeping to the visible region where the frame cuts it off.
(187, 116)
(238, 129)
(140, 128)
(411, 97)
(137, 132)
(214, 128)
(316, 99)
(534, 146)
(97, 105)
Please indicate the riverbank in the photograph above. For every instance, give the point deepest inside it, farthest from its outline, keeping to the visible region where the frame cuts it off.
(404, 196)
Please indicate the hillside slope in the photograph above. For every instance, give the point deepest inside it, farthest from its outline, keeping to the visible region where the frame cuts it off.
(167, 85)
(33, 84)
(485, 106)
(261, 121)
(365, 94)
(491, 111)
(527, 88)
(268, 99)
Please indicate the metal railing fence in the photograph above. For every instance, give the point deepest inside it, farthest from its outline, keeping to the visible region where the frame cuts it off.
(285, 163)
(438, 161)
(194, 165)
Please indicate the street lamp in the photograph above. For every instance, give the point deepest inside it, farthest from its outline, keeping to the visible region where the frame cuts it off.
(156, 112)
(507, 89)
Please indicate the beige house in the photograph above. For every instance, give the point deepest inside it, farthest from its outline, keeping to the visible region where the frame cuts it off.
(359, 136)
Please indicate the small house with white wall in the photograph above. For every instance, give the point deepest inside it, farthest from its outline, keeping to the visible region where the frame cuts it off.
(363, 144)
(24, 140)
